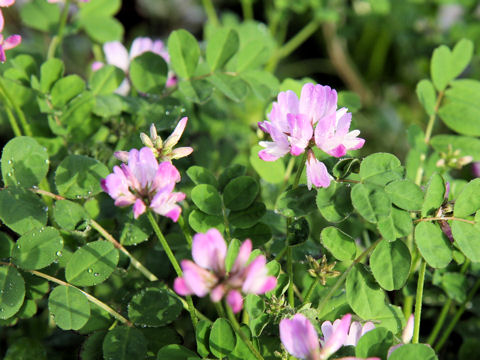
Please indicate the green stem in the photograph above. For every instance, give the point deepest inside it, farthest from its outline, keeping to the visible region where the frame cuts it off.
(185, 230)
(21, 116)
(91, 298)
(300, 170)
(457, 316)
(238, 330)
(418, 302)
(136, 264)
(13, 122)
(226, 223)
(310, 291)
(342, 278)
(446, 307)
(291, 297)
(210, 10)
(307, 31)
(247, 9)
(57, 39)
(174, 263)
(407, 306)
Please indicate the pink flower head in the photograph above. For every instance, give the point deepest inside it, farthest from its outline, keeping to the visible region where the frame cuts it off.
(355, 332)
(144, 183)
(301, 340)
(207, 274)
(11, 41)
(296, 125)
(116, 54)
(4, 3)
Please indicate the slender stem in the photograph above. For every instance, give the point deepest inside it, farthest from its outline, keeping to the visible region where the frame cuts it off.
(136, 264)
(185, 230)
(299, 171)
(291, 298)
(210, 10)
(226, 223)
(57, 39)
(446, 307)
(310, 291)
(13, 122)
(238, 330)
(247, 9)
(47, 193)
(307, 31)
(92, 299)
(21, 116)
(445, 218)
(418, 302)
(289, 169)
(219, 308)
(174, 263)
(407, 306)
(457, 316)
(342, 278)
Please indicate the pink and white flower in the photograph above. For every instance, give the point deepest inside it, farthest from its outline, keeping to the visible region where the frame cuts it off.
(144, 184)
(296, 125)
(207, 272)
(299, 337)
(11, 41)
(116, 54)
(355, 332)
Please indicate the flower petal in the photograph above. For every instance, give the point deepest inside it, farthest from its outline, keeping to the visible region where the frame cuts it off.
(138, 208)
(243, 256)
(12, 41)
(209, 250)
(299, 337)
(235, 300)
(116, 54)
(173, 139)
(317, 173)
(338, 336)
(139, 46)
(317, 101)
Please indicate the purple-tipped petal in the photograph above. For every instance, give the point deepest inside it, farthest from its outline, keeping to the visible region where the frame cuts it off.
(243, 256)
(11, 42)
(301, 132)
(317, 173)
(197, 279)
(217, 293)
(139, 46)
(317, 101)
(2, 21)
(257, 280)
(235, 300)
(121, 155)
(180, 287)
(97, 65)
(138, 208)
(5, 3)
(338, 336)
(299, 337)
(209, 250)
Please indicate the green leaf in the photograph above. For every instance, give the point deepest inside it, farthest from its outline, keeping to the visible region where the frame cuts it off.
(222, 338)
(259, 234)
(460, 110)
(231, 86)
(69, 307)
(92, 263)
(455, 285)
(398, 224)
(198, 91)
(380, 169)
(68, 215)
(154, 307)
(262, 83)
(468, 146)
(334, 202)
(468, 202)
(66, 89)
(371, 202)
(296, 202)
(26, 349)
(102, 29)
(79, 176)
(108, 105)
(12, 291)
(461, 56)
(390, 263)
(405, 194)
(207, 199)
(201, 222)
(240, 193)
(40, 15)
(30, 212)
(251, 55)
(375, 343)
(248, 217)
(344, 167)
(413, 352)
(135, 231)
(176, 352)
(467, 238)
(200, 175)
(434, 196)
(298, 231)
(92, 347)
(202, 333)
(440, 67)
(100, 7)
(6, 246)
(124, 343)
(363, 294)
(341, 245)
(107, 79)
(148, 73)
(37, 248)
(24, 162)
(184, 53)
(254, 305)
(229, 174)
(350, 100)
(232, 253)
(391, 318)
(433, 244)
(271, 171)
(50, 71)
(427, 96)
(221, 47)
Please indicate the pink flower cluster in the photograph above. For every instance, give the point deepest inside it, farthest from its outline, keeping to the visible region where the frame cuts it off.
(11, 41)
(301, 340)
(144, 183)
(296, 125)
(208, 274)
(116, 54)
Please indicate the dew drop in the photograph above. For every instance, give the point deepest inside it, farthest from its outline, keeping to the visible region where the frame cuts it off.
(90, 271)
(9, 161)
(9, 174)
(167, 112)
(59, 253)
(34, 187)
(96, 274)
